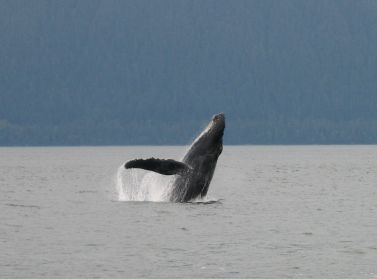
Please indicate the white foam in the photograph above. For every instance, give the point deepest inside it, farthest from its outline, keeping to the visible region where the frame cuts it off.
(119, 185)
(139, 185)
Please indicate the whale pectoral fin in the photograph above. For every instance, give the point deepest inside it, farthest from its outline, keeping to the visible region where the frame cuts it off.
(162, 166)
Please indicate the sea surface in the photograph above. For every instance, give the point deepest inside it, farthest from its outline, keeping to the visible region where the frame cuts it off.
(271, 212)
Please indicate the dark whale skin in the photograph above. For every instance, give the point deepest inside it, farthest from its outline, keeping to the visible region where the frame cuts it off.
(195, 172)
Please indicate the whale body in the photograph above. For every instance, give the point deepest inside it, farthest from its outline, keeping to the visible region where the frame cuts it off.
(194, 173)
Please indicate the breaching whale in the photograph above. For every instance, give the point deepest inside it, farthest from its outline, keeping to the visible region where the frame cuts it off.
(195, 172)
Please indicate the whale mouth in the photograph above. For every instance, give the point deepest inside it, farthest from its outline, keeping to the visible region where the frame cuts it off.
(220, 117)
(213, 132)
(218, 123)
(215, 128)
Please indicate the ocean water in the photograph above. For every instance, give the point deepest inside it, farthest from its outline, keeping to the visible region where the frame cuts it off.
(275, 212)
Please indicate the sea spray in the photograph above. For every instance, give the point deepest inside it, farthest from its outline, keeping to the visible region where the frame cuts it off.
(139, 185)
(119, 184)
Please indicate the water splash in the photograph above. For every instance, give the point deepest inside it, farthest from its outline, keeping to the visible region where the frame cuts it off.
(119, 185)
(139, 185)
(206, 200)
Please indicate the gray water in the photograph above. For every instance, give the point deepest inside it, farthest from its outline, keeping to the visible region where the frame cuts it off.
(280, 212)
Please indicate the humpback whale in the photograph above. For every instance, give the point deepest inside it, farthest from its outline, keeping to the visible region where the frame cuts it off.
(194, 174)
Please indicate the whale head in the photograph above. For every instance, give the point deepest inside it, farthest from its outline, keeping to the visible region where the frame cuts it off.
(217, 126)
(210, 140)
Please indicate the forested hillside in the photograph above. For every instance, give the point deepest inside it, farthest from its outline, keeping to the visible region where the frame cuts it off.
(91, 72)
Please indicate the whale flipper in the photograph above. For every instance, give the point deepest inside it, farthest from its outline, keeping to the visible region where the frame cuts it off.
(162, 166)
